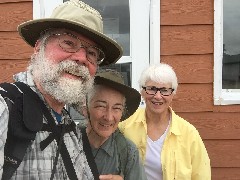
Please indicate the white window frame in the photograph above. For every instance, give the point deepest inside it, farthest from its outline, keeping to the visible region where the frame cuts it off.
(154, 31)
(221, 96)
(43, 8)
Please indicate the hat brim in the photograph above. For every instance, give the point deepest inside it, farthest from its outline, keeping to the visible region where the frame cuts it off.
(132, 96)
(30, 31)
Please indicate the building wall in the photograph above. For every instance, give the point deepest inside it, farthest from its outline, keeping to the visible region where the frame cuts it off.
(186, 44)
(14, 52)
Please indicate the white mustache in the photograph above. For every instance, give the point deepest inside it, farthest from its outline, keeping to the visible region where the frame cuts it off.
(75, 69)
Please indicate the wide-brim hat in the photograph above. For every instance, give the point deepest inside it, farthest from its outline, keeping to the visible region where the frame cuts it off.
(114, 80)
(79, 17)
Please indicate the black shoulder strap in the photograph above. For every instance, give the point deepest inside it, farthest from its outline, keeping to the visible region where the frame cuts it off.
(26, 106)
(19, 134)
(10, 91)
(88, 151)
(58, 135)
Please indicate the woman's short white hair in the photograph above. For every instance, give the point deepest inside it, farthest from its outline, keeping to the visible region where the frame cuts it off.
(159, 73)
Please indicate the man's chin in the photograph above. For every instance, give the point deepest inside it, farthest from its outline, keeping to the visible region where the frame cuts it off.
(71, 99)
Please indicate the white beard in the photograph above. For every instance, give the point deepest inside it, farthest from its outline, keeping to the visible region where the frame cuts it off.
(63, 89)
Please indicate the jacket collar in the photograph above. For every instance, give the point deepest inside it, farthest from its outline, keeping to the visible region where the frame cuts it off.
(174, 126)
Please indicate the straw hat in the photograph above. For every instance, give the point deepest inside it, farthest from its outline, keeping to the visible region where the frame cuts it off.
(79, 17)
(114, 79)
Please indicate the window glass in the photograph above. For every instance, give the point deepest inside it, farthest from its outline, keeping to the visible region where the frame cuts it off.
(116, 25)
(128, 22)
(231, 45)
(116, 20)
(226, 52)
(124, 68)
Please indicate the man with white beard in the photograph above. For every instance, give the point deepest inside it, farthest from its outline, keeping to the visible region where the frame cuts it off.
(68, 48)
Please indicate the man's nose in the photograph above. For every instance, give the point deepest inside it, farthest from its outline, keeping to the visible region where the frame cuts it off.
(81, 56)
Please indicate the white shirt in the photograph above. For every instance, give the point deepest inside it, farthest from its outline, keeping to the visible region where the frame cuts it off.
(153, 165)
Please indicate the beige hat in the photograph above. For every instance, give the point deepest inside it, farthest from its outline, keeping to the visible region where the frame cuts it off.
(79, 17)
(114, 79)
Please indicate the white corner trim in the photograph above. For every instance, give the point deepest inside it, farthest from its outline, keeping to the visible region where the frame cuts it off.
(154, 31)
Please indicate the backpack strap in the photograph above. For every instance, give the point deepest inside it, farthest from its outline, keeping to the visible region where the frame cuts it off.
(88, 151)
(22, 128)
(58, 135)
(20, 134)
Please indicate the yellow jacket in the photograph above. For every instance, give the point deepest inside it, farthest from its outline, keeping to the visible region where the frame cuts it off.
(184, 156)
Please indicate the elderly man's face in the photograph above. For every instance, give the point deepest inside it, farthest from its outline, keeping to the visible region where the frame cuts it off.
(67, 77)
(105, 110)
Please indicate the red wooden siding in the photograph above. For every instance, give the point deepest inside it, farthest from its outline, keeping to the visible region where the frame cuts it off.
(14, 52)
(187, 43)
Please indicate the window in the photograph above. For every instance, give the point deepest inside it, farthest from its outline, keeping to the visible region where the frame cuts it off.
(136, 26)
(226, 52)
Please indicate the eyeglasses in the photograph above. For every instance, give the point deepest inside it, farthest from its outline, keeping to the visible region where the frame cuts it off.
(152, 90)
(70, 43)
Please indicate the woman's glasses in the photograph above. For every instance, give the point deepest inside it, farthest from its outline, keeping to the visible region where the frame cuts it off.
(152, 90)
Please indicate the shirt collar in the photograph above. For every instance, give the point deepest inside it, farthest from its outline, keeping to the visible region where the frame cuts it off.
(25, 77)
(174, 126)
(108, 146)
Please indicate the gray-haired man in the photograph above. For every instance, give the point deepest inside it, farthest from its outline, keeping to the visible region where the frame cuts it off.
(68, 48)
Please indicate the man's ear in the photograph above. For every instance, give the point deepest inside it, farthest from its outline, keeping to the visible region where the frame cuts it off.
(37, 46)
